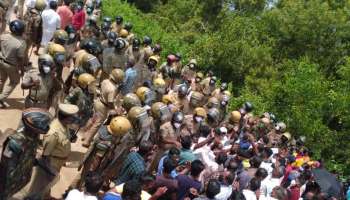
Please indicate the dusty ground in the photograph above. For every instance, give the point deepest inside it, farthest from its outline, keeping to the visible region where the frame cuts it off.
(10, 117)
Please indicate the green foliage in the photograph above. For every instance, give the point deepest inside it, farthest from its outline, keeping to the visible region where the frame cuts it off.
(290, 58)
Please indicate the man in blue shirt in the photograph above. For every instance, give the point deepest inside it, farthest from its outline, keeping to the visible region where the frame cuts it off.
(130, 77)
(174, 155)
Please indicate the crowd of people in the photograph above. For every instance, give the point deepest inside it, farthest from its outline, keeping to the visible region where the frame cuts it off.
(152, 130)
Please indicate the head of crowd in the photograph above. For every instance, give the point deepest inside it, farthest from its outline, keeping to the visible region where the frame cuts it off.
(152, 129)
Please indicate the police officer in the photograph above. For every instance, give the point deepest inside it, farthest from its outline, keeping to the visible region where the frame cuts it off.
(182, 101)
(39, 82)
(219, 92)
(196, 84)
(232, 122)
(196, 100)
(58, 53)
(146, 95)
(188, 72)
(161, 114)
(19, 151)
(56, 149)
(12, 58)
(91, 29)
(33, 24)
(104, 104)
(72, 41)
(170, 132)
(166, 70)
(128, 27)
(159, 88)
(102, 150)
(109, 41)
(113, 57)
(83, 96)
(147, 48)
(118, 24)
(4, 6)
(208, 87)
(134, 52)
(193, 121)
(130, 100)
(141, 122)
(213, 117)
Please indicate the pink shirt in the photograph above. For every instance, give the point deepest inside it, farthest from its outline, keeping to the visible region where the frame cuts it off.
(66, 15)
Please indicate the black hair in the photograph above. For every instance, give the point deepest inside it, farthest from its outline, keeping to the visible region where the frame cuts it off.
(233, 166)
(266, 139)
(131, 189)
(145, 147)
(244, 153)
(204, 130)
(221, 158)
(254, 184)
(146, 178)
(261, 173)
(255, 161)
(173, 151)
(197, 167)
(267, 152)
(53, 5)
(67, 2)
(186, 142)
(230, 178)
(93, 182)
(168, 165)
(213, 188)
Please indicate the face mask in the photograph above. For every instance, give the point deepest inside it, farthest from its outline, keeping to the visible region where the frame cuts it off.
(198, 119)
(71, 36)
(192, 66)
(198, 80)
(46, 69)
(212, 82)
(177, 125)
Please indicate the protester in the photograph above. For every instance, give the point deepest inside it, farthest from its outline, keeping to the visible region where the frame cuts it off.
(51, 22)
(65, 14)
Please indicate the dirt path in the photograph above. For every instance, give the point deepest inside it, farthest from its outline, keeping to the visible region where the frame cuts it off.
(9, 118)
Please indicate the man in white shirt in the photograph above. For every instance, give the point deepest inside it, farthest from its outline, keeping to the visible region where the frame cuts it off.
(271, 182)
(93, 183)
(51, 23)
(253, 188)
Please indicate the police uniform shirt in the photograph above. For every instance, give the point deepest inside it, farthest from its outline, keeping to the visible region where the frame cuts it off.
(45, 85)
(108, 91)
(56, 141)
(12, 48)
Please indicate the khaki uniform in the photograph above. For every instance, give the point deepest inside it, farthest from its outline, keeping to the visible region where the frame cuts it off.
(187, 73)
(33, 32)
(147, 52)
(191, 127)
(4, 6)
(217, 94)
(12, 52)
(38, 97)
(137, 55)
(89, 32)
(108, 95)
(184, 105)
(20, 8)
(56, 147)
(116, 28)
(111, 60)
